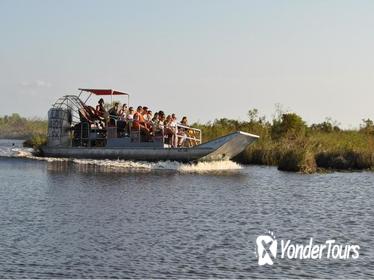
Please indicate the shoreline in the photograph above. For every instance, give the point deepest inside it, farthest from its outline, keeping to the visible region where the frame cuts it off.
(286, 142)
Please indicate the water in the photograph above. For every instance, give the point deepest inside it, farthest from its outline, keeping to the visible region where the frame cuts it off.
(71, 219)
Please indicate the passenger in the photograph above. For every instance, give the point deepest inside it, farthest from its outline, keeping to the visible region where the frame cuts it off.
(167, 120)
(139, 115)
(147, 122)
(101, 114)
(129, 119)
(114, 110)
(168, 130)
(148, 117)
(174, 128)
(158, 124)
(123, 112)
(130, 115)
(184, 121)
(154, 126)
(173, 121)
(113, 114)
(183, 133)
(100, 109)
(139, 123)
(155, 119)
(161, 120)
(189, 133)
(144, 112)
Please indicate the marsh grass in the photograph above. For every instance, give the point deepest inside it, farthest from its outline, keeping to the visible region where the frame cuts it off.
(304, 149)
(36, 141)
(17, 127)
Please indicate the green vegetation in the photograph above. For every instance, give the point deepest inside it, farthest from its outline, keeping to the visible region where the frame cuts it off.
(289, 143)
(17, 127)
(36, 141)
(286, 141)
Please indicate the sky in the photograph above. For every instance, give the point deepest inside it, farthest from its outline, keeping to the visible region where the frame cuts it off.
(206, 59)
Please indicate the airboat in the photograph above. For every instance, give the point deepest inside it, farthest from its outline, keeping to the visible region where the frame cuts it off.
(76, 131)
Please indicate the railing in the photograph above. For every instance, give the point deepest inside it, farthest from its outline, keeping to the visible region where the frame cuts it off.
(182, 136)
(189, 133)
(91, 135)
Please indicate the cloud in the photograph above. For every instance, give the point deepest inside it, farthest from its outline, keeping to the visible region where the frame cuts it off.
(36, 84)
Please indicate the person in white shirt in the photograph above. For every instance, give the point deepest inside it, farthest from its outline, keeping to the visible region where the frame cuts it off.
(148, 117)
(130, 115)
(122, 114)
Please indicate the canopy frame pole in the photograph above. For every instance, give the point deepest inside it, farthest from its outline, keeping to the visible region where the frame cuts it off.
(88, 98)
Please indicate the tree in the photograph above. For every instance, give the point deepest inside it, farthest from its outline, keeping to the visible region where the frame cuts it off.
(329, 125)
(367, 126)
(254, 117)
(290, 125)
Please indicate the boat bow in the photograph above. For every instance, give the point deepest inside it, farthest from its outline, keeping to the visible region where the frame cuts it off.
(228, 146)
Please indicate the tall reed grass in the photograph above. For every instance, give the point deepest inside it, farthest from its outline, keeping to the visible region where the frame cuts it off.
(293, 146)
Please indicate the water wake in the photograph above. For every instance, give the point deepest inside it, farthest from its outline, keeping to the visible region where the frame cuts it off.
(200, 167)
(127, 165)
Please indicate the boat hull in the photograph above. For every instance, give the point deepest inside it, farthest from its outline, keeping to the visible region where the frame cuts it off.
(222, 148)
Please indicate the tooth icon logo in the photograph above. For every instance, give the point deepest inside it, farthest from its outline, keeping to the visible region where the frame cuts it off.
(266, 249)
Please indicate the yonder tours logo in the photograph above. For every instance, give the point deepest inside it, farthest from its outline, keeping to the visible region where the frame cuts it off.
(267, 249)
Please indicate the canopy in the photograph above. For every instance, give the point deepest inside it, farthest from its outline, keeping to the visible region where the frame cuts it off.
(103, 91)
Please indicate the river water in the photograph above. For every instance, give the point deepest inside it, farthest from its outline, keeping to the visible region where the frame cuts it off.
(101, 219)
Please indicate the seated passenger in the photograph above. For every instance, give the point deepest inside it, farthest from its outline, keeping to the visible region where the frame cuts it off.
(130, 115)
(139, 123)
(145, 116)
(159, 122)
(183, 132)
(114, 110)
(174, 128)
(189, 133)
(155, 120)
(148, 116)
(168, 131)
(122, 114)
(100, 109)
(154, 124)
(173, 122)
(184, 121)
(113, 113)
(138, 116)
(129, 119)
(101, 114)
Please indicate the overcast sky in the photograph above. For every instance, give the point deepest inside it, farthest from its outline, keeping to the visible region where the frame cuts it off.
(204, 59)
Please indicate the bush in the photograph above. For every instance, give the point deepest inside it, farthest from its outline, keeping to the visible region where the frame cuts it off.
(298, 161)
(345, 160)
(17, 127)
(36, 141)
(325, 126)
(290, 125)
(257, 154)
